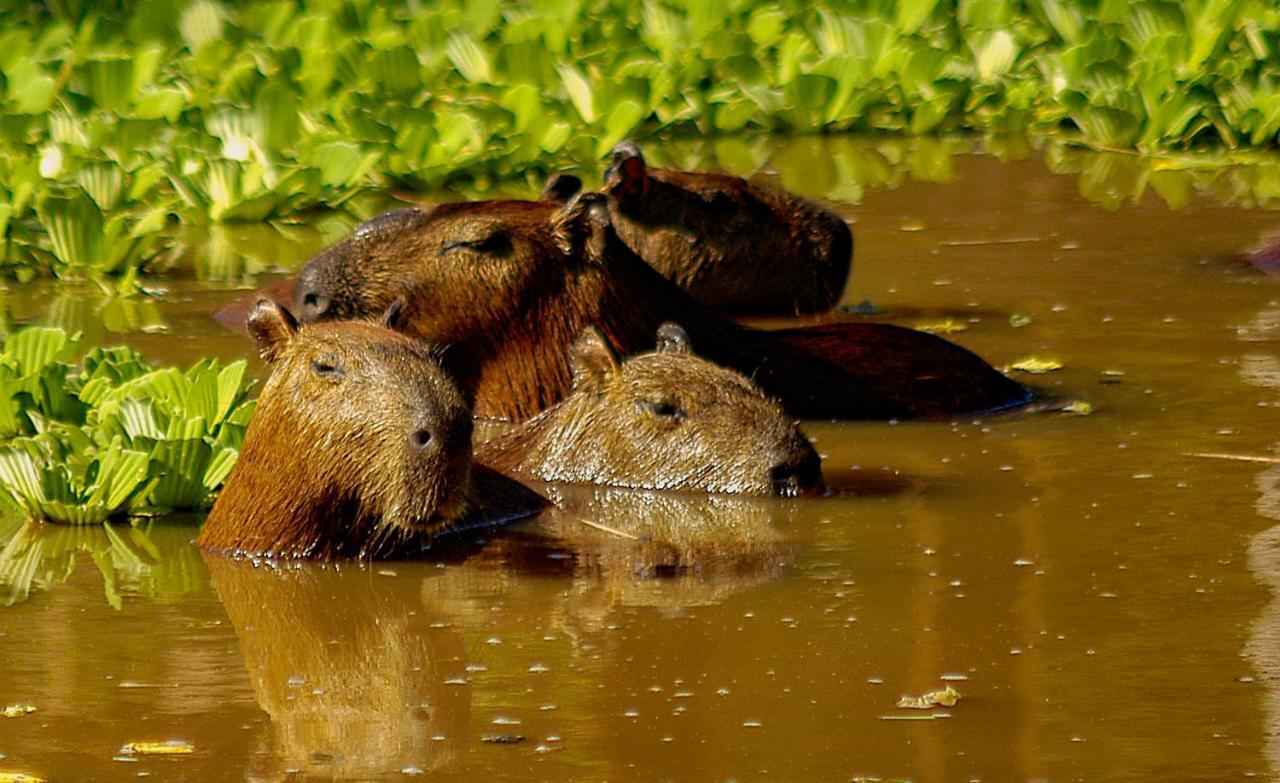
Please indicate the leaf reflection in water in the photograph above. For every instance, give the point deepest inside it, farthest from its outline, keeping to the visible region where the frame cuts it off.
(144, 559)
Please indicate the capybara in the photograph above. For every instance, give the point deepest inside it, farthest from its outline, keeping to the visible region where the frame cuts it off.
(664, 419)
(731, 244)
(360, 447)
(511, 284)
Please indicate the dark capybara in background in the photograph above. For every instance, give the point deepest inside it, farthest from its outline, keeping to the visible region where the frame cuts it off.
(665, 419)
(511, 284)
(360, 446)
(729, 243)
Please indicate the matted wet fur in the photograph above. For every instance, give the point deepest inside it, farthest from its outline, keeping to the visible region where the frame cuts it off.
(360, 446)
(729, 243)
(511, 284)
(664, 419)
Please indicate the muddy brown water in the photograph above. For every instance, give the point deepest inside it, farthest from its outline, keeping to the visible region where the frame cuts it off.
(1101, 601)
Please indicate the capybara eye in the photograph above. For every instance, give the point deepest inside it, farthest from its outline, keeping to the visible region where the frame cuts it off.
(327, 369)
(497, 242)
(663, 409)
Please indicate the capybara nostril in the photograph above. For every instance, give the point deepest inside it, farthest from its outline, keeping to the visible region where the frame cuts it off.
(422, 439)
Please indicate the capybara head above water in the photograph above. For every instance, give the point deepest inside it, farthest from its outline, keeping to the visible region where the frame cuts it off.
(360, 440)
(511, 283)
(462, 268)
(730, 243)
(665, 419)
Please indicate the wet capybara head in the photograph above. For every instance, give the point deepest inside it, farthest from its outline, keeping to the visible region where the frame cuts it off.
(462, 268)
(665, 419)
(730, 243)
(360, 441)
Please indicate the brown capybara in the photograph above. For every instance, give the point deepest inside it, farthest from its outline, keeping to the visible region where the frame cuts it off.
(729, 243)
(511, 284)
(360, 447)
(665, 419)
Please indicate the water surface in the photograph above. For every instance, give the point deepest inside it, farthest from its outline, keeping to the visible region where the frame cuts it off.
(1100, 600)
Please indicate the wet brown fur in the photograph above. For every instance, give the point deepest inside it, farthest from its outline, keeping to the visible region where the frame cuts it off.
(664, 419)
(729, 243)
(511, 284)
(330, 467)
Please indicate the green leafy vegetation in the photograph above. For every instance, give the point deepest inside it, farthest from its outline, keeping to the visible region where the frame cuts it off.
(117, 119)
(111, 436)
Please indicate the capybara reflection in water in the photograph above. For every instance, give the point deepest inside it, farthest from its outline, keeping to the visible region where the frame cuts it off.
(510, 285)
(360, 446)
(665, 419)
(729, 243)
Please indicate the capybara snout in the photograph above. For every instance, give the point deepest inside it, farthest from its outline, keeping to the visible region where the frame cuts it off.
(798, 471)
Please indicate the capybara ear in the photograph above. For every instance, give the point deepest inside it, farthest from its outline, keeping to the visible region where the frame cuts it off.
(561, 187)
(572, 225)
(627, 175)
(672, 338)
(271, 327)
(396, 317)
(593, 361)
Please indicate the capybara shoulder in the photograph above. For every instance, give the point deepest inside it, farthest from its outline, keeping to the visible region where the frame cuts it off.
(730, 243)
(664, 419)
(360, 446)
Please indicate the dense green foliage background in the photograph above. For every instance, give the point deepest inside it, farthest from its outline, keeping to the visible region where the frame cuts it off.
(115, 118)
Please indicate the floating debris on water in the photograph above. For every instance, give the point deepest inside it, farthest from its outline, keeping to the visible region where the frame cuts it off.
(165, 748)
(943, 327)
(1019, 320)
(954, 677)
(911, 226)
(1078, 407)
(918, 716)
(18, 710)
(947, 697)
(502, 739)
(1035, 365)
(19, 777)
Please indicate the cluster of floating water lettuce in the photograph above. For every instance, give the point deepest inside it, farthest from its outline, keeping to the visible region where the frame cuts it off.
(212, 111)
(111, 436)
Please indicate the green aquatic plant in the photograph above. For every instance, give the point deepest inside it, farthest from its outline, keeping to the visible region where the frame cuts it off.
(112, 436)
(116, 119)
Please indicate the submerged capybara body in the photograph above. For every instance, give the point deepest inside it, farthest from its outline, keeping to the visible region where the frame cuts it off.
(360, 446)
(664, 419)
(729, 243)
(511, 284)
